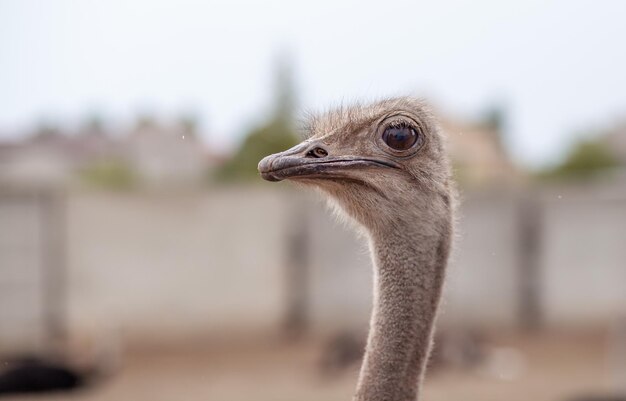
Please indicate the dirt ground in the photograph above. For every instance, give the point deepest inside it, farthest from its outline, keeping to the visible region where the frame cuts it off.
(538, 367)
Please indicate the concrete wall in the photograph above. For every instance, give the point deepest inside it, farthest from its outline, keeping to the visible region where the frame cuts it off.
(217, 262)
(481, 289)
(483, 276)
(584, 257)
(22, 312)
(174, 264)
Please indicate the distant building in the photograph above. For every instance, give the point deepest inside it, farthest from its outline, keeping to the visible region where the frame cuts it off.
(36, 161)
(616, 140)
(155, 155)
(161, 156)
(478, 157)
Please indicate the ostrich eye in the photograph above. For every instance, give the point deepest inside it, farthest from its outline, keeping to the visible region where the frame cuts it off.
(400, 137)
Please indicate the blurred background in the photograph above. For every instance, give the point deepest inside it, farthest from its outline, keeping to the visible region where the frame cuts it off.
(142, 257)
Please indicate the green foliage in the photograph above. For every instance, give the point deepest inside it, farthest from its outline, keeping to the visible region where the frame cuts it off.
(188, 124)
(460, 173)
(93, 125)
(109, 174)
(495, 118)
(47, 131)
(275, 136)
(495, 122)
(585, 159)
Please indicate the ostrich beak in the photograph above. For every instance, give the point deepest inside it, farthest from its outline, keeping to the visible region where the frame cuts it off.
(314, 160)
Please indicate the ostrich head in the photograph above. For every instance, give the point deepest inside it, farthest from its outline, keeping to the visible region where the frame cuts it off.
(385, 166)
(381, 163)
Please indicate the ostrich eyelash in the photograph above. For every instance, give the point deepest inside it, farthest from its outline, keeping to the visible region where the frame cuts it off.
(400, 124)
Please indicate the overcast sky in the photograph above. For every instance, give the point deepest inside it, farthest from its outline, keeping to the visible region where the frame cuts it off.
(559, 67)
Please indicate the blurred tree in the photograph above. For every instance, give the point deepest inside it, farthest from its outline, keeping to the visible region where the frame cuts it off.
(188, 124)
(495, 120)
(110, 174)
(459, 172)
(93, 125)
(46, 131)
(145, 122)
(275, 135)
(272, 137)
(495, 117)
(586, 158)
(286, 97)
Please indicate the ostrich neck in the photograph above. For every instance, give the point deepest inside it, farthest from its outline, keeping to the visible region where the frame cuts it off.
(409, 268)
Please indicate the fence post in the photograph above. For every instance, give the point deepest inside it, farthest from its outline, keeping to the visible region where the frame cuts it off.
(297, 266)
(530, 237)
(53, 264)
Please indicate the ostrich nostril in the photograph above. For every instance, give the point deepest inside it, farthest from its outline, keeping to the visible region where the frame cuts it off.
(317, 153)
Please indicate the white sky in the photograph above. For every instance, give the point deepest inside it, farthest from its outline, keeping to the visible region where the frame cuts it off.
(558, 66)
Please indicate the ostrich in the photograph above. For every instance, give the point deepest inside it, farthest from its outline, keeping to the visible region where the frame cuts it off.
(384, 165)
